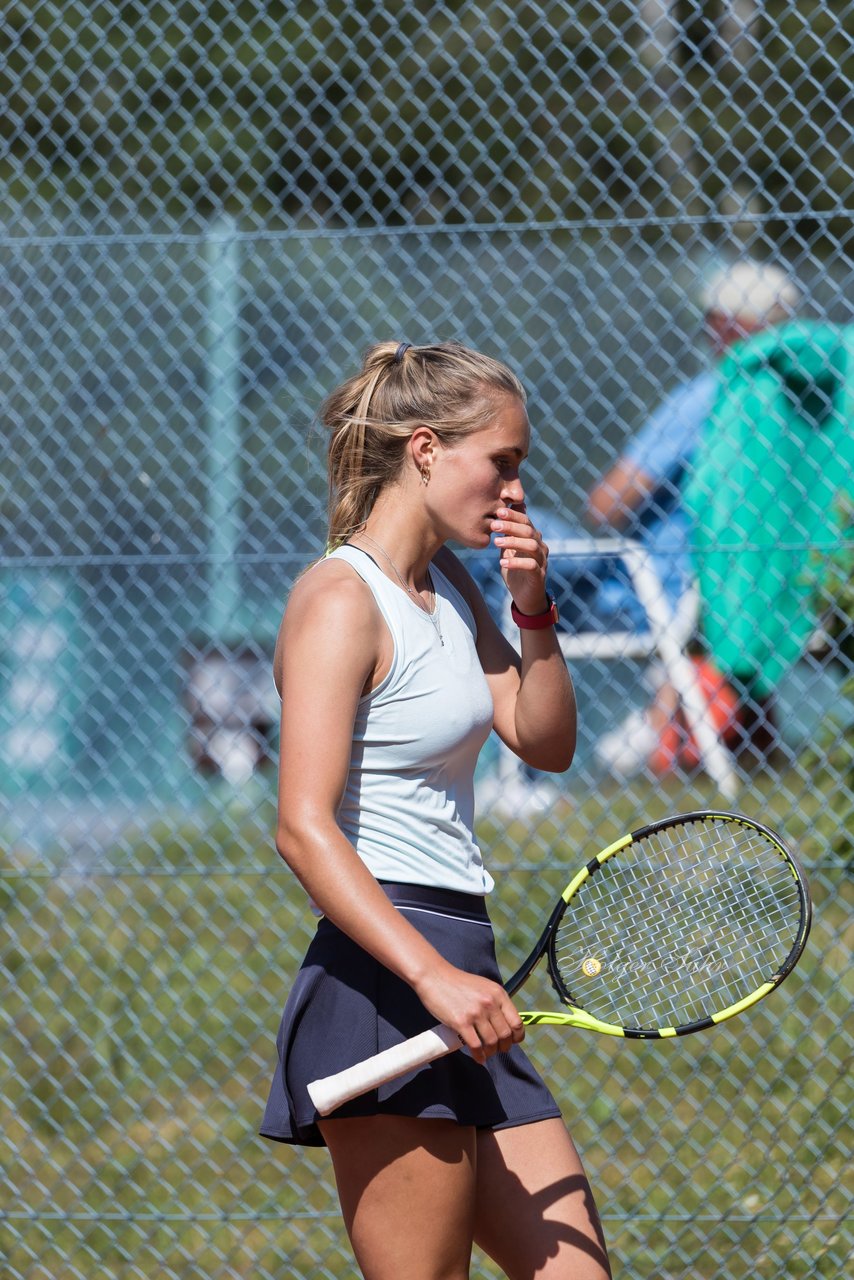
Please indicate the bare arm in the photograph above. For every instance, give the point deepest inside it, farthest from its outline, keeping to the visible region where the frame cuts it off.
(533, 694)
(331, 650)
(619, 494)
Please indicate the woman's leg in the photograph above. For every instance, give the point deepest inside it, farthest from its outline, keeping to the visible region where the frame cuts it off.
(534, 1212)
(407, 1191)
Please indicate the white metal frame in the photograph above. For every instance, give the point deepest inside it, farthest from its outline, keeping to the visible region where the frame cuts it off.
(667, 637)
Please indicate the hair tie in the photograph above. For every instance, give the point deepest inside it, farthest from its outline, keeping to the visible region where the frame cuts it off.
(402, 348)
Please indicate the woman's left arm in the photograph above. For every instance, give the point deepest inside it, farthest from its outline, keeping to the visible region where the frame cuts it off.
(535, 709)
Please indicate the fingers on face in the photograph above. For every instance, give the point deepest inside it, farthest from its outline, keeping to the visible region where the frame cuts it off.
(526, 551)
(526, 558)
(515, 532)
(520, 523)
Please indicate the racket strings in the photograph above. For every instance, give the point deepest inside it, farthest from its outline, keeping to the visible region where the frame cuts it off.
(679, 925)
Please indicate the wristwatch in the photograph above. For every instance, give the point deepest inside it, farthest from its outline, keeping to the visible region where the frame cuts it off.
(536, 621)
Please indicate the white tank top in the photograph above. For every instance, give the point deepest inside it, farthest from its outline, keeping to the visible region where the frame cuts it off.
(408, 806)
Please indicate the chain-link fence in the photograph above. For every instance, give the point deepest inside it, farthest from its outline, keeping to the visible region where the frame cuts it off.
(208, 211)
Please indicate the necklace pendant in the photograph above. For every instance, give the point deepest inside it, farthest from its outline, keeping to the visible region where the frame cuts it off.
(415, 596)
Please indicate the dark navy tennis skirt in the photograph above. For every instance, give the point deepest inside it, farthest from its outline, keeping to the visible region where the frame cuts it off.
(345, 1006)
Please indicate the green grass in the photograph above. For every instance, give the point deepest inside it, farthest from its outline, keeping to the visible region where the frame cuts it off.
(138, 1023)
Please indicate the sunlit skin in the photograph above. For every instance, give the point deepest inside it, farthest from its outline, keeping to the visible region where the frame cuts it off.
(474, 493)
(475, 477)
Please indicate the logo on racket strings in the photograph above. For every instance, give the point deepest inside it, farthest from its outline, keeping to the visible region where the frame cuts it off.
(684, 964)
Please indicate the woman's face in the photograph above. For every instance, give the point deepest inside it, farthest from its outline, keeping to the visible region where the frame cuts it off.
(472, 478)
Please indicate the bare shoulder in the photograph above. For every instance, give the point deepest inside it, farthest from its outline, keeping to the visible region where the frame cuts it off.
(329, 608)
(330, 586)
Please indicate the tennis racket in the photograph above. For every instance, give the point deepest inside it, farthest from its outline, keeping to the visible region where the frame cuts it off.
(671, 929)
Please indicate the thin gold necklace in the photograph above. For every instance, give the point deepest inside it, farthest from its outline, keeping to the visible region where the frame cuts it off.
(432, 614)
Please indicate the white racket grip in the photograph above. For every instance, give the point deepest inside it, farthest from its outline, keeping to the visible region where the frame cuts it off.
(334, 1091)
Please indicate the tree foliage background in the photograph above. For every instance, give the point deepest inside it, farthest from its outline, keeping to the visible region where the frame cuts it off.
(355, 112)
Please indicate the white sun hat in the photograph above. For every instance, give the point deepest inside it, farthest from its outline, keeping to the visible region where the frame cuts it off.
(753, 290)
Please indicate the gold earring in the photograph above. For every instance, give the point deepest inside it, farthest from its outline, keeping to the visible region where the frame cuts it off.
(425, 474)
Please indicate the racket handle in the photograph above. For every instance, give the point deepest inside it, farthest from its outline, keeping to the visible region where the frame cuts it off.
(334, 1091)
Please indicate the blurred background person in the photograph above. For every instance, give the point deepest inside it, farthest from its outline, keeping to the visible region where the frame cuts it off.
(770, 500)
(642, 495)
(766, 497)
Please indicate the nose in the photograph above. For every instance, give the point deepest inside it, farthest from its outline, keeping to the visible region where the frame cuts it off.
(512, 491)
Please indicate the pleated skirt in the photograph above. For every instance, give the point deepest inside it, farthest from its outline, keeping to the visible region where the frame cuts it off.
(345, 1006)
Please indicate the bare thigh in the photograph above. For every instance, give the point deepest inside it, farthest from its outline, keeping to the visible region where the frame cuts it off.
(535, 1214)
(407, 1191)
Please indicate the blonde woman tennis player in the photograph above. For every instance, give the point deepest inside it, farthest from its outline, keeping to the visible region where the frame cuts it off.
(392, 674)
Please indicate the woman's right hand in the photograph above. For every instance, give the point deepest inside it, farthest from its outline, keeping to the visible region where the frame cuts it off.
(479, 1010)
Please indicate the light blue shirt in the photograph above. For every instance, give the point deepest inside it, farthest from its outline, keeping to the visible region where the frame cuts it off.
(664, 449)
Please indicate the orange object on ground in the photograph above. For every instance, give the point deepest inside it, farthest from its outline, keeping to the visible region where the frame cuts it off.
(676, 745)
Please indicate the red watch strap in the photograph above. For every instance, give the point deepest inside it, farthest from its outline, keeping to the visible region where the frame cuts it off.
(536, 621)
